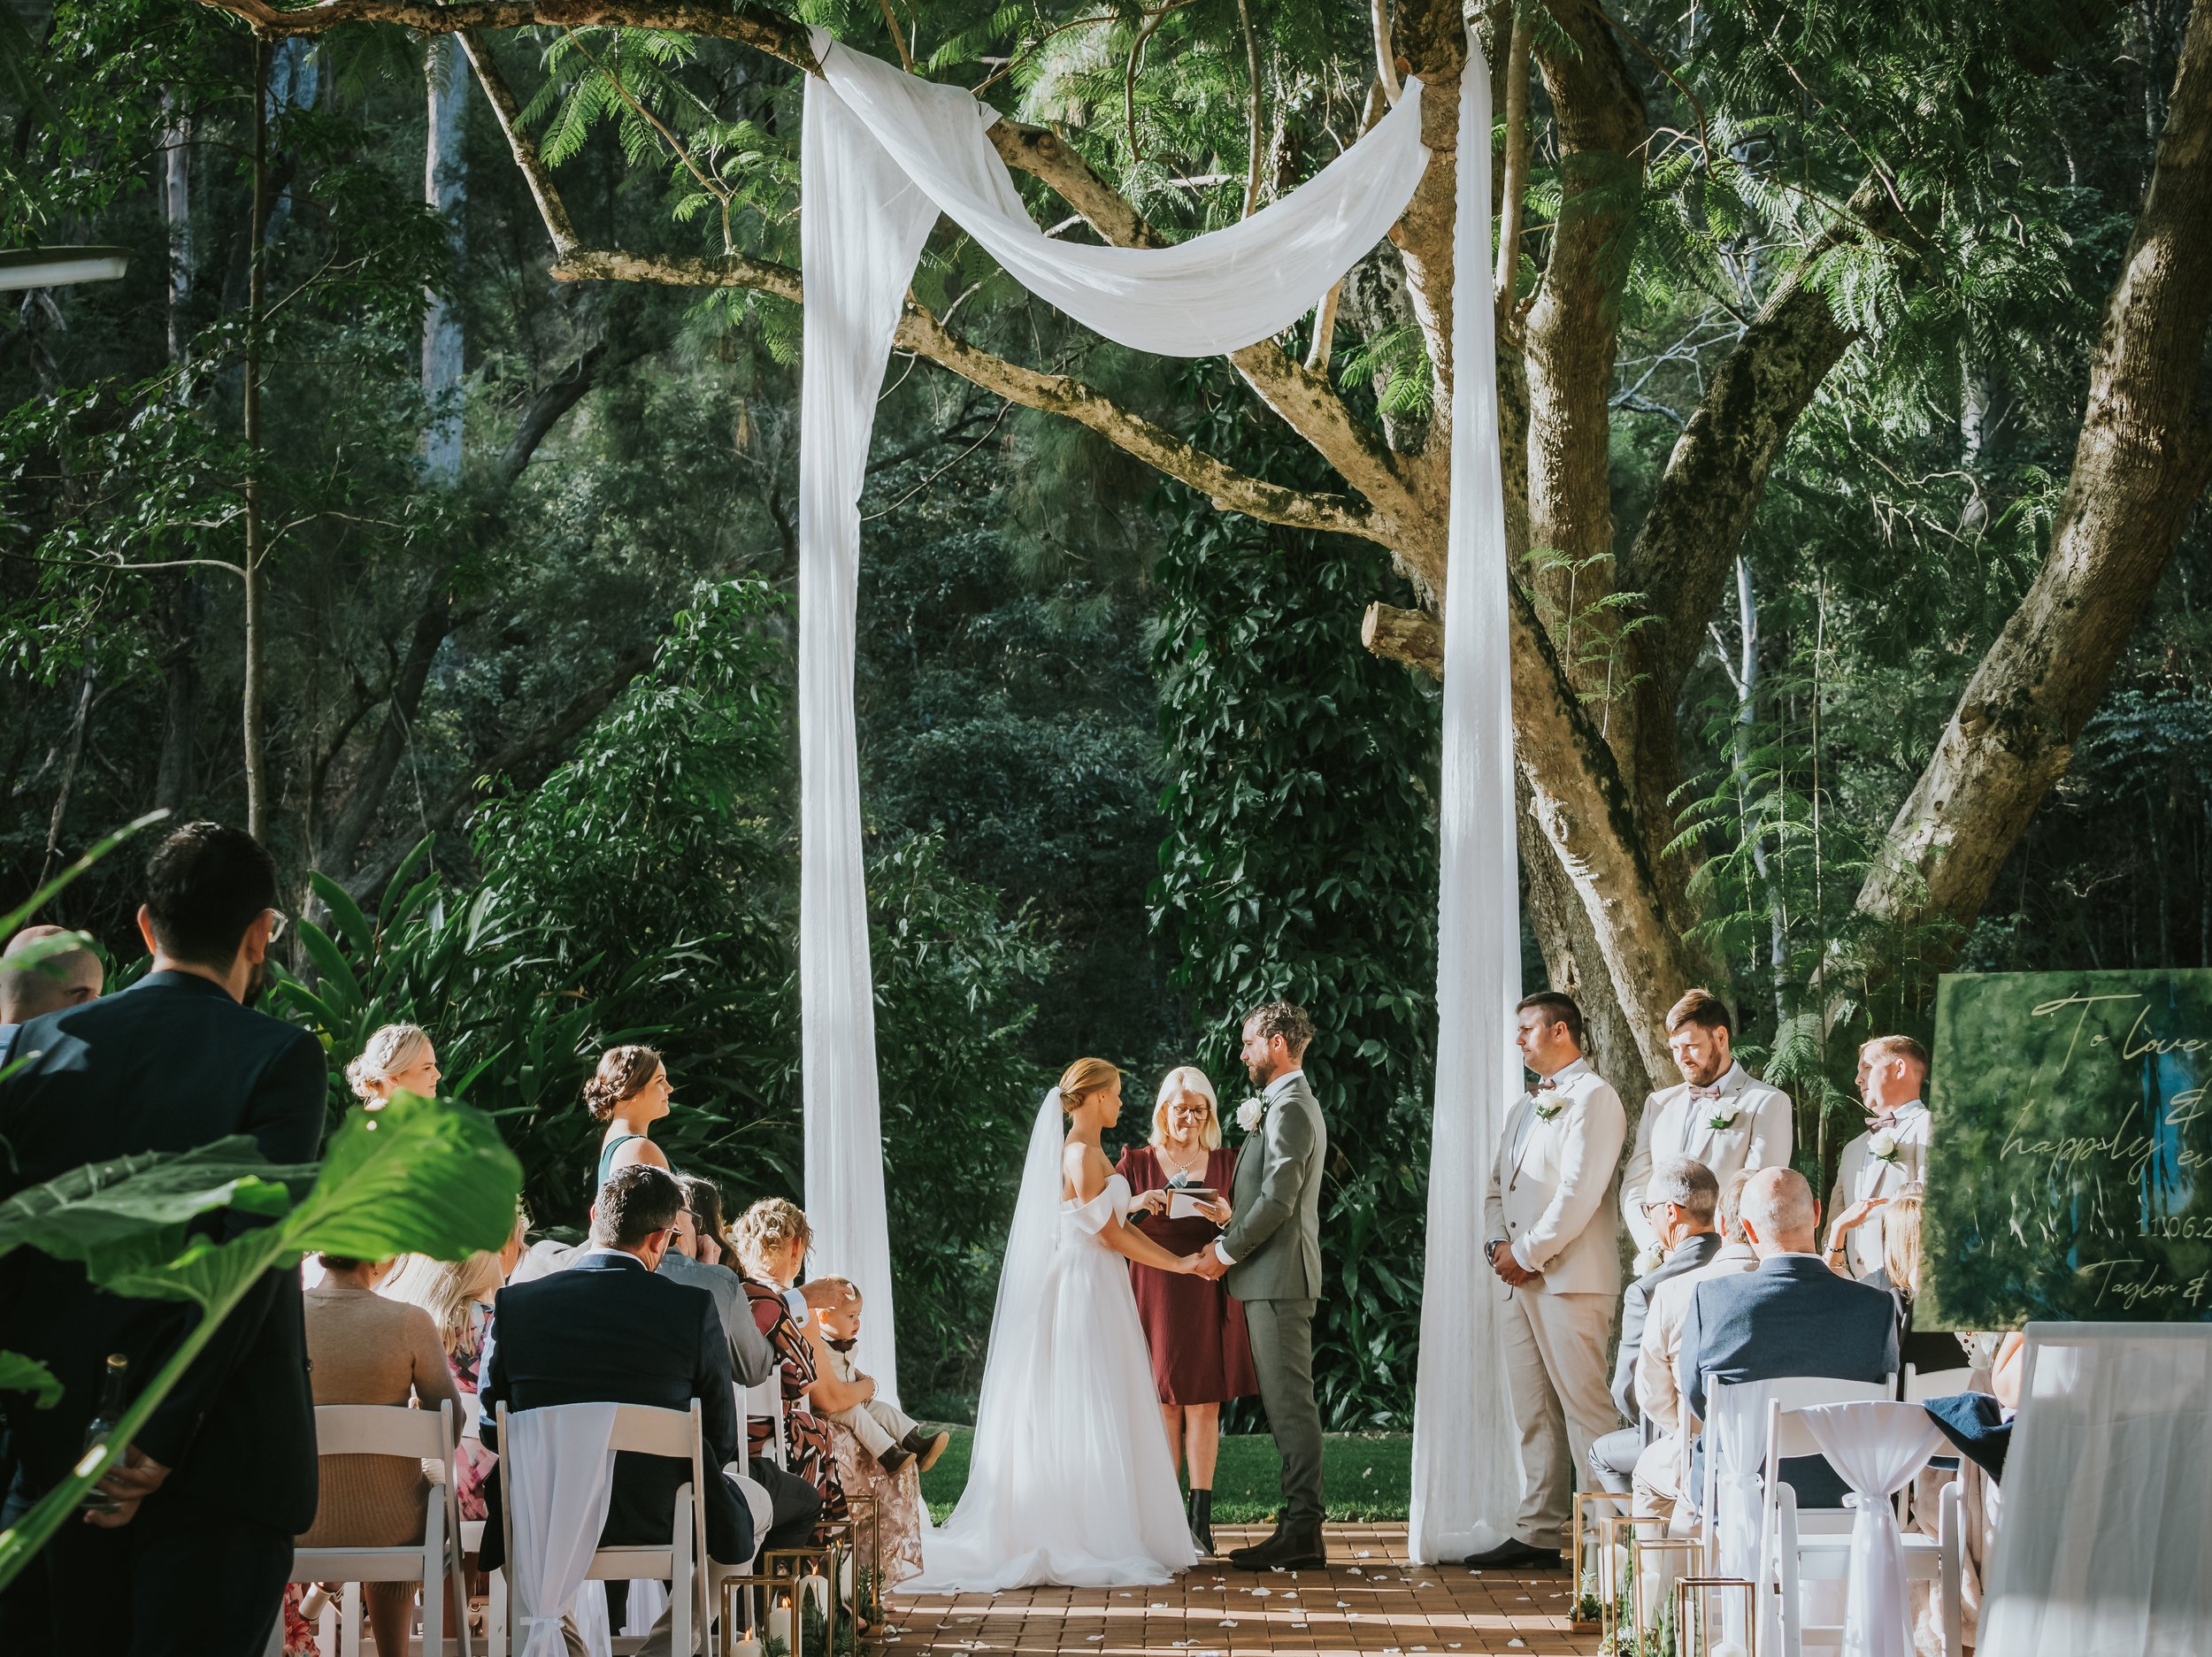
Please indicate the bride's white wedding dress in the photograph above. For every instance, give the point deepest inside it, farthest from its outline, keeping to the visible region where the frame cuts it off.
(1069, 1479)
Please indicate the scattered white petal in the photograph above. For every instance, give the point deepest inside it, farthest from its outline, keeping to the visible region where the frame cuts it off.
(1367, 1552)
(1517, 1642)
(1228, 1621)
(1355, 1570)
(1341, 1603)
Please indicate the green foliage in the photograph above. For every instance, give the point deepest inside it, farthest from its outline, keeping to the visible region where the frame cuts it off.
(1301, 861)
(418, 1177)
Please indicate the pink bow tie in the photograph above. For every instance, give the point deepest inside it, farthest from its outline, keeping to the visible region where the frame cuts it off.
(1878, 1124)
(1545, 1083)
(1706, 1092)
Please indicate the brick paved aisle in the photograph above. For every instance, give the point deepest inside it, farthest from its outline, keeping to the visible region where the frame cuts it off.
(1369, 1601)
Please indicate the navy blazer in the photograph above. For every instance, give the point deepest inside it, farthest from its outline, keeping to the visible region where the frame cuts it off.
(1689, 1253)
(1793, 1316)
(169, 1064)
(608, 1331)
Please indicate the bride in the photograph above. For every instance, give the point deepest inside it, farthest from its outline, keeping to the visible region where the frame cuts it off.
(1069, 1479)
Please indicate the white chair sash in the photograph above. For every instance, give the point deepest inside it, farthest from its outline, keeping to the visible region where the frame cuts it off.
(1876, 1448)
(560, 1478)
(1735, 1443)
(647, 1599)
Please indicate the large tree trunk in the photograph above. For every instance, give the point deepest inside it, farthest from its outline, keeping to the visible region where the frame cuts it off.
(2142, 459)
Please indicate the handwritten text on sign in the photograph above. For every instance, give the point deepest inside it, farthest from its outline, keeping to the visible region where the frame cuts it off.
(2072, 1130)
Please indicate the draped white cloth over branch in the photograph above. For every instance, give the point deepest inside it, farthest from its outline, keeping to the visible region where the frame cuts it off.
(883, 154)
(1465, 1479)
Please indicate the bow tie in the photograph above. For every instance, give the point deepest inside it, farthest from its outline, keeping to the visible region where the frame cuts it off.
(1546, 1084)
(1877, 1124)
(1706, 1092)
(845, 1346)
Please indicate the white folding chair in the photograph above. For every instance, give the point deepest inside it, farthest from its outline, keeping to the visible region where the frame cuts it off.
(1803, 1546)
(756, 1501)
(418, 1436)
(764, 1402)
(1935, 1384)
(642, 1430)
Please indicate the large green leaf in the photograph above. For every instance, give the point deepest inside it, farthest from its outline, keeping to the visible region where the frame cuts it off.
(416, 1177)
(20, 1374)
(210, 1274)
(107, 1206)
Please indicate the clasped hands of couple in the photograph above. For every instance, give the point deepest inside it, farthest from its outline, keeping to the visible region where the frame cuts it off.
(1207, 1262)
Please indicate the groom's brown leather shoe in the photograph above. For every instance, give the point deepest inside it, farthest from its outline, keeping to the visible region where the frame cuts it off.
(1292, 1547)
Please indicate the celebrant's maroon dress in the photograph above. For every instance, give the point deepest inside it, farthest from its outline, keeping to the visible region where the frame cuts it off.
(1201, 1354)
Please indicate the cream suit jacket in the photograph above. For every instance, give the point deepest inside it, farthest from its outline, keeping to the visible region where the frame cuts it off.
(1861, 1174)
(1758, 1135)
(1550, 1186)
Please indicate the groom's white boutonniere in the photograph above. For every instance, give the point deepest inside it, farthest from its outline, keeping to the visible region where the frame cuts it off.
(1545, 1113)
(1883, 1146)
(1250, 1114)
(1722, 1119)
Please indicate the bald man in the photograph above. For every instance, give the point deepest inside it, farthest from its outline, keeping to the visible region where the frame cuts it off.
(50, 984)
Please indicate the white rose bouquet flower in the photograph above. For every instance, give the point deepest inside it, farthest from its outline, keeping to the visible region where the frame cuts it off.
(1250, 1114)
(1884, 1147)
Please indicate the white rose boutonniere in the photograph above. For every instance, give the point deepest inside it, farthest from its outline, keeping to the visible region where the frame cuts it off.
(1544, 1112)
(1722, 1119)
(1649, 1261)
(1884, 1147)
(1250, 1114)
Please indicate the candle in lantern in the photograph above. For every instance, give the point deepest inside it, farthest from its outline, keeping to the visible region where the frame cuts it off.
(746, 1647)
(816, 1591)
(780, 1627)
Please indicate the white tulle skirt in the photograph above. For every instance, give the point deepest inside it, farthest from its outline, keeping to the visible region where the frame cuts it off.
(1070, 1480)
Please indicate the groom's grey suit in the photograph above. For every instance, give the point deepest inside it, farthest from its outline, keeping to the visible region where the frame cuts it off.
(1273, 1247)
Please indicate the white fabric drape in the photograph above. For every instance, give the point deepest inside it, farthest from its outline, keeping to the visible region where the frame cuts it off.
(560, 1477)
(1876, 1448)
(1465, 1479)
(2105, 1545)
(1735, 1448)
(882, 153)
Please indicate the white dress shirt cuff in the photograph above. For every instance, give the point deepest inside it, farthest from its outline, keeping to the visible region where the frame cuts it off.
(1526, 1263)
(1227, 1259)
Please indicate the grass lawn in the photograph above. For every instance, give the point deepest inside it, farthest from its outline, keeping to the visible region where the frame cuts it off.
(1365, 1475)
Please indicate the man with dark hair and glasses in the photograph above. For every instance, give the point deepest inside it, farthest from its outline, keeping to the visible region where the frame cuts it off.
(195, 1554)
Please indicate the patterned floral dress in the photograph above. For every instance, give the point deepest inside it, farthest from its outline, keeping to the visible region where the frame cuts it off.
(474, 1463)
(808, 1453)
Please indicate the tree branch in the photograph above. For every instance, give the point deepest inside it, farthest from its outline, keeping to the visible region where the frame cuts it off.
(1411, 636)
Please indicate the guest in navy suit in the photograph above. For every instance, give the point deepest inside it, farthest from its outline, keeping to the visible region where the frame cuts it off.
(610, 1330)
(1793, 1316)
(223, 1476)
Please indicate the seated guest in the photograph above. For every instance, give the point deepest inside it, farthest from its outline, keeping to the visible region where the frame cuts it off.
(1659, 1472)
(457, 1295)
(51, 984)
(610, 1330)
(880, 1452)
(1889, 1155)
(398, 1058)
(772, 1237)
(1927, 1351)
(1793, 1316)
(793, 1504)
(1718, 1114)
(1679, 1197)
(222, 1476)
(629, 1092)
(365, 1349)
(702, 1200)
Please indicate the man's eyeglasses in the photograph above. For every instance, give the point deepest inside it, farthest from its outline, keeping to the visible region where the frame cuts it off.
(278, 921)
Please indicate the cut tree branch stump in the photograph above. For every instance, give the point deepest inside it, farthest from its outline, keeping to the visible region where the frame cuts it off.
(1410, 636)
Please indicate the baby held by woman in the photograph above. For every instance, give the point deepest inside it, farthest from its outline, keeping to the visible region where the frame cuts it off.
(847, 1396)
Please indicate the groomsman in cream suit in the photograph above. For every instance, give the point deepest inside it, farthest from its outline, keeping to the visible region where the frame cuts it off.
(1553, 1244)
(1718, 1116)
(1890, 1155)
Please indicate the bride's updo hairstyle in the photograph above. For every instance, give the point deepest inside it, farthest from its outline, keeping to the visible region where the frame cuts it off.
(622, 1072)
(1085, 1076)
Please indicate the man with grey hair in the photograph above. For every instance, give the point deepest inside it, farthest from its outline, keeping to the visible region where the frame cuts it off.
(1793, 1316)
(39, 976)
(1680, 1196)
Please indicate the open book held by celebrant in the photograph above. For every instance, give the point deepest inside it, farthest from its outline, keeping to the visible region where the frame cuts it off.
(1185, 1202)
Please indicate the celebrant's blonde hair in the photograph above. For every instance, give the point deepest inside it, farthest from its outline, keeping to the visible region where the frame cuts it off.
(1188, 1078)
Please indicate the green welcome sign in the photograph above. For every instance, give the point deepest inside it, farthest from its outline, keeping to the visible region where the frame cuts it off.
(2070, 1175)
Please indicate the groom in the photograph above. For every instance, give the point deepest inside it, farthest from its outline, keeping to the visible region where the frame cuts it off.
(1272, 1256)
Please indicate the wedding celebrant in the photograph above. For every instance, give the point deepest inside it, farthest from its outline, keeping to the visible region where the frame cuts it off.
(1202, 1356)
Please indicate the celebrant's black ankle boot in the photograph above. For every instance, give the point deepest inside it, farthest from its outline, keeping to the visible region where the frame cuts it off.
(1201, 1511)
